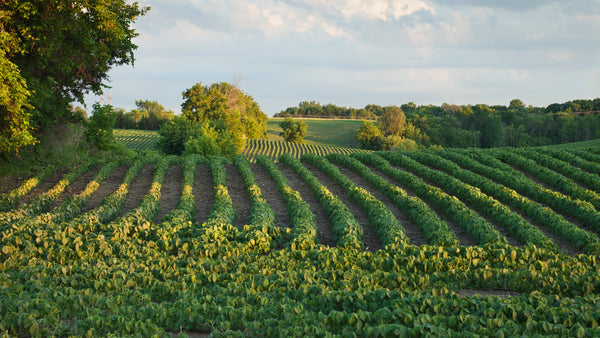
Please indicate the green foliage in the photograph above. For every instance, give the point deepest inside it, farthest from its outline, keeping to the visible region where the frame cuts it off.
(274, 149)
(491, 133)
(314, 109)
(369, 136)
(293, 130)
(392, 121)
(99, 131)
(149, 115)
(224, 101)
(15, 129)
(213, 138)
(174, 134)
(68, 273)
(63, 51)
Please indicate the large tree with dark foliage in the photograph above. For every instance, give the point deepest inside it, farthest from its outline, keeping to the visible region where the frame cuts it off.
(52, 52)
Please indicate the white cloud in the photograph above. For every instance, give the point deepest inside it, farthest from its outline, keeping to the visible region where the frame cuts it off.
(357, 52)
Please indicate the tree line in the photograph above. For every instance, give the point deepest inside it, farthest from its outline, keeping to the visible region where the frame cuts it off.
(410, 126)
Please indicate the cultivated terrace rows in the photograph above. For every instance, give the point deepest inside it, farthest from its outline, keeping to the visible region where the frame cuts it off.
(450, 242)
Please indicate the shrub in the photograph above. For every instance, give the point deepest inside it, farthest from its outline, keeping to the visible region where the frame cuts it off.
(99, 131)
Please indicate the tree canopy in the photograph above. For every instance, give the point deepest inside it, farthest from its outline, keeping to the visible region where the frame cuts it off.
(293, 130)
(52, 52)
(215, 120)
(224, 101)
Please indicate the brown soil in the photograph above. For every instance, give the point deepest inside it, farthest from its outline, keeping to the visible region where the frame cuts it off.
(561, 242)
(44, 186)
(239, 196)
(271, 193)
(463, 236)
(324, 235)
(370, 238)
(77, 186)
(170, 192)
(203, 192)
(108, 186)
(137, 189)
(504, 232)
(412, 230)
(10, 183)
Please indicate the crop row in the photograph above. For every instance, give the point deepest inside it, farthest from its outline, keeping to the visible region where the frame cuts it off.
(302, 220)
(435, 230)
(136, 139)
(543, 215)
(275, 148)
(548, 176)
(476, 226)
(98, 274)
(502, 173)
(346, 230)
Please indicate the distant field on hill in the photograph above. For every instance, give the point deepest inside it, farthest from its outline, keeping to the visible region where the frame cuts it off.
(136, 139)
(331, 132)
(146, 139)
(582, 144)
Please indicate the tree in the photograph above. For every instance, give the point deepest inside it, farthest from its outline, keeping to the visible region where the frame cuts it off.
(61, 51)
(153, 114)
(227, 102)
(491, 134)
(211, 138)
(516, 104)
(369, 136)
(15, 129)
(293, 130)
(392, 121)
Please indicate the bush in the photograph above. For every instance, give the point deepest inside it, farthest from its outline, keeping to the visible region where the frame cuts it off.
(370, 137)
(293, 130)
(182, 136)
(174, 134)
(99, 131)
(211, 139)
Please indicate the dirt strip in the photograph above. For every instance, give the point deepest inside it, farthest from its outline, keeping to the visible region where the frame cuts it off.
(238, 193)
(44, 186)
(463, 236)
(370, 238)
(512, 240)
(203, 192)
(412, 230)
(170, 192)
(77, 186)
(138, 188)
(271, 193)
(108, 186)
(324, 234)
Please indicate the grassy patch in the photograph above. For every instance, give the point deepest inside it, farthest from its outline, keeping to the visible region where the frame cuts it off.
(338, 133)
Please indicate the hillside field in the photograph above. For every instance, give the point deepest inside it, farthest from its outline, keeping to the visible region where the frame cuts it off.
(333, 132)
(497, 242)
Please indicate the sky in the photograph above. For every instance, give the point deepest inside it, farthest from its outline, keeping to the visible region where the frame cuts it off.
(357, 52)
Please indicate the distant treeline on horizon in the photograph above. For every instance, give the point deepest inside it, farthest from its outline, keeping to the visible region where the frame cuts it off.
(478, 125)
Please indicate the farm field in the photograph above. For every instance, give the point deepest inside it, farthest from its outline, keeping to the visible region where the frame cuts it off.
(145, 140)
(453, 242)
(332, 132)
(136, 139)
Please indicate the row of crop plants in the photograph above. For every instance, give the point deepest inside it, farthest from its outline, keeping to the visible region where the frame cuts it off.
(275, 148)
(481, 193)
(136, 139)
(96, 274)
